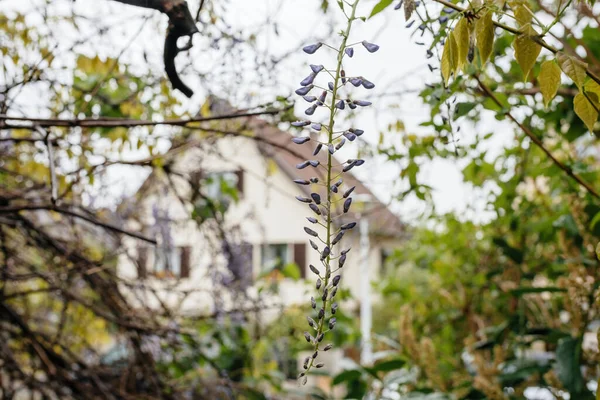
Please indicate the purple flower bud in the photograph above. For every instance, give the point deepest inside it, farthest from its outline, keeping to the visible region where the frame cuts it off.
(330, 85)
(311, 322)
(313, 303)
(448, 10)
(301, 182)
(328, 347)
(351, 105)
(349, 191)
(318, 286)
(315, 208)
(320, 315)
(322, 98)
(340, 105)
(304, 90)
(310, 49)
(345, 251)
(334, 188)
(359, 162)
(349, 51)
(355, 81)
(316, 198)
(316, 127)
(315, 354)
(362, 103)
(347, 204)
(367, 84)
(310, 99)
(399, 5)
(312, 220)
(337, 238)
(311, 232)
(340, 144)
(303, 199)
(357, 132)
(302, 165)
(350, 136)
(314, 269)
(342, 260)
(343, 75)
(330, 148)
(310, 110)
(443, 19)
(422, 27)
(317, 149)
(307, 336)
(300, 140)
(333, 292)
(301, 375)
(326, 252)
(334, 308)
(314, 163)
(429, 53)
(321, 336)
(314, 180)
(349, 166)
(371, 47)
(325, 293)
(349, 225)
(336, 280)
(316, 68)
(319, 365)
(332, 322)
(308, 80)
(300, 123)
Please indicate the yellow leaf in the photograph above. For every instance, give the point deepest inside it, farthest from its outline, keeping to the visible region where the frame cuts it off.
(573, 68)
(449, 58)
(549, 80)
(461, 35)
(592, 90)
(522, 13)
(484, 33)
(585, 110)
(526, 51)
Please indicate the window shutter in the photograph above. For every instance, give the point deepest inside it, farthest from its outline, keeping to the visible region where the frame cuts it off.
(300, 257)
(240, 182)
(142, 262)
(186, 255)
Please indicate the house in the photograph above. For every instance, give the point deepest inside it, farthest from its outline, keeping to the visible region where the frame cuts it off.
(227, 216)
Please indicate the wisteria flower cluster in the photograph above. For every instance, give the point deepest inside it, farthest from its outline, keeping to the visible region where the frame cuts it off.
(328, 200)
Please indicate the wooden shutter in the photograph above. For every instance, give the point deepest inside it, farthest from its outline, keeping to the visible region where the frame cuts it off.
(142, 262)
(300, 257)
(184, 268)
(240, 182)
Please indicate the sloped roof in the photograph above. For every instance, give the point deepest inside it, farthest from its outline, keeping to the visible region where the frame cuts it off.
(381, 220)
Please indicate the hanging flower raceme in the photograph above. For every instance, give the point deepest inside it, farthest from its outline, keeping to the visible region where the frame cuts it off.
(326, 198)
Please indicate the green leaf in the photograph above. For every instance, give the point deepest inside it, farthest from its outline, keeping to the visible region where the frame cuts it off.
(463, 109)
(526, 51)
(347, 375)
(568, 365)
(585, 110)
(379, 7)
(549, 79)
(573, 68)
(389, 365)
(291, 271)
(514, 254)
(449, 58)
(484, 34)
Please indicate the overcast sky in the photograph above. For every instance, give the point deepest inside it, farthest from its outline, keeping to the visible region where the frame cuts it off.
(282, 26)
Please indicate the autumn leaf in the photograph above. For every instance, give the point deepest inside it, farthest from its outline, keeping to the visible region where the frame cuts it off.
(573, 68)
(449, 58)
(461, 35)
(526, 51)
(549, 80)
(585, 110)
(484, 34)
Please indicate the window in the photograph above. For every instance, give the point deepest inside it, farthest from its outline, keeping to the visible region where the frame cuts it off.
(217, 191)
(277, 256)
(164, 262)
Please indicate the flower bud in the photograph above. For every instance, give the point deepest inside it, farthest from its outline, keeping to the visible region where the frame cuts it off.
(332, 322)
(325, 293)
(349, 166)
(312, 220)
(330, 85)
(303, 199)
(314, 163)
(300, 123)
(340, 105)
(310, 110)
(319, 365)
(326, 252)
(309, 99)
(343, 75)
(367, 84)
(334, 292)
(311, 322)
(315, 354)
(317, 149)
(316, 198)
(355, 81)
(357, 132)
(342, 260)
(330, 148)
(349, 51)
(337, 238)
(310, 232)
(349, 191)
(313, 245)
(300, 140)
(362, 103)
(314, 180)
(334, 308)
(316, 68)
(349, 225)
(336, 280)
(328, 347)
(371, 47)
(316, 127)
(301, 182)
(302, 165)
(314, 269)
(320, 337)
(350, 136)
(359, 162)
(304, 90)
(308, 80)
(307, 337)
(321, 315)
(313, 303)
(340, 144)
(310, 49)
(315, 208)
(318, 284)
